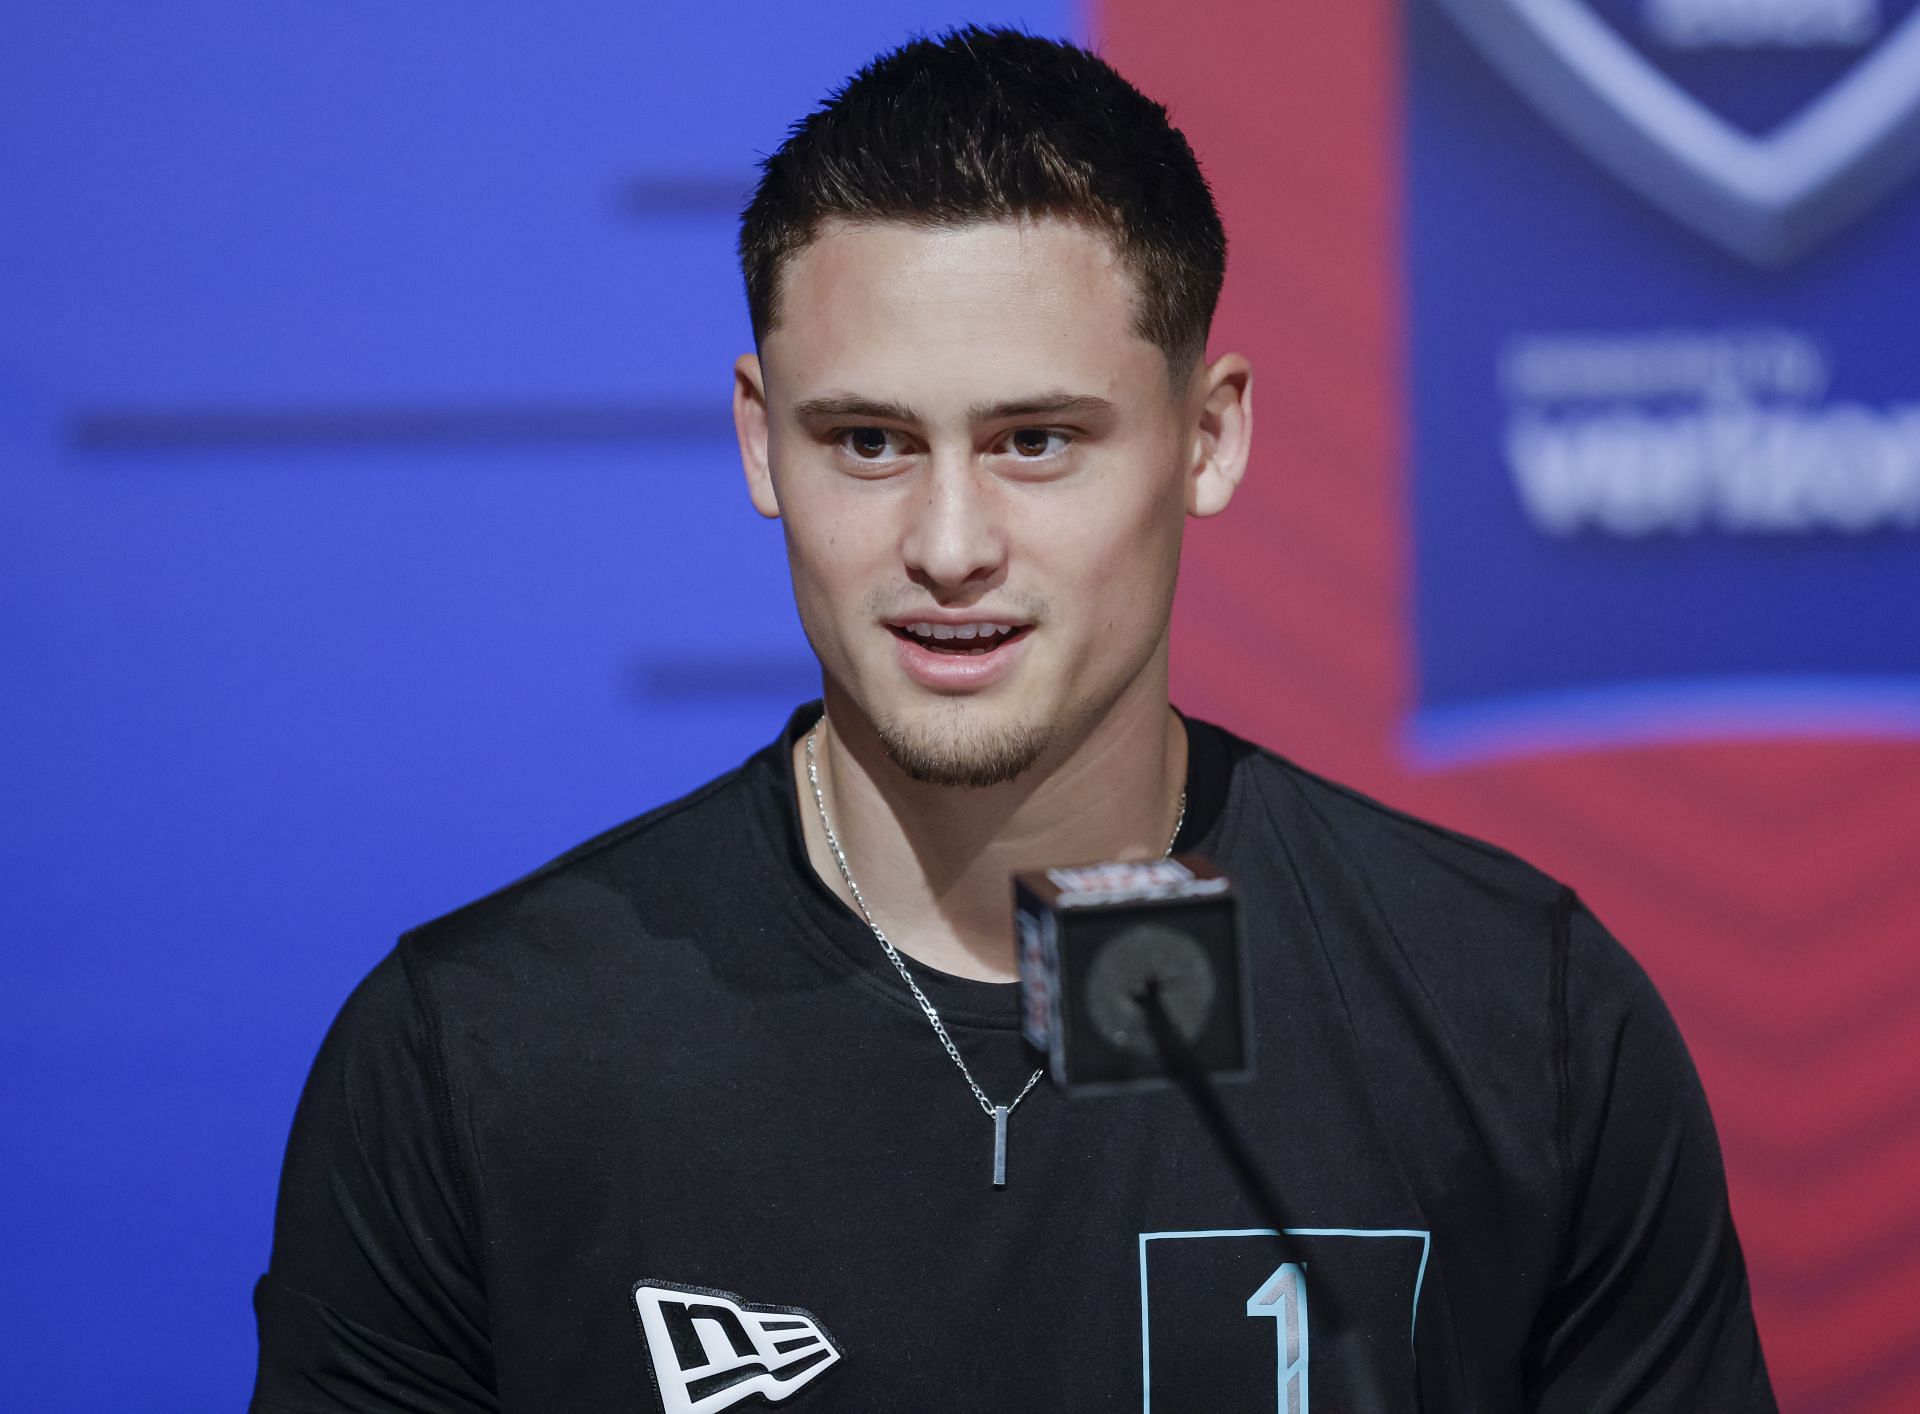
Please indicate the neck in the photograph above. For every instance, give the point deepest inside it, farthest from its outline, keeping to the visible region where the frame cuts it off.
(933, 862)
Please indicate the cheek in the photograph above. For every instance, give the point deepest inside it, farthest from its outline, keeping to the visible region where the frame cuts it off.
(1126, 557)
(838, 556)
(811, 558)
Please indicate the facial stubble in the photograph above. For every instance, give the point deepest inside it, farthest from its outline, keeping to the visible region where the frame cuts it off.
(963, 752)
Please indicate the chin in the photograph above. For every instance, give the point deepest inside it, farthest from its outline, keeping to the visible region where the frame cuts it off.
(961, 746)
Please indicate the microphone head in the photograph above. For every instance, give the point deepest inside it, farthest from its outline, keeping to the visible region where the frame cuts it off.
(1093, 940)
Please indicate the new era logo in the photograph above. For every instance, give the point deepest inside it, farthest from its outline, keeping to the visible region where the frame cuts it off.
(710, 1350)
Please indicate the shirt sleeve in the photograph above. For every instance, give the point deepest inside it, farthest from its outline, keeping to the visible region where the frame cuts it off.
(373, 1300)
(1651, 1311)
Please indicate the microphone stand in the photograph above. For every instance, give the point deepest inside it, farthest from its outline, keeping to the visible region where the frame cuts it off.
(1186, 1071)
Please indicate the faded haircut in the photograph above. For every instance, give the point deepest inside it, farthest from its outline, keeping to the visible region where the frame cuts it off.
(989, 124)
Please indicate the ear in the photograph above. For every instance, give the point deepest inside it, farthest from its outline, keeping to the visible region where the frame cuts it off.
(1223, 435)
(750, 425)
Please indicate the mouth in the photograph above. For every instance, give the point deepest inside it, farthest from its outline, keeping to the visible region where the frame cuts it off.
(973, 640)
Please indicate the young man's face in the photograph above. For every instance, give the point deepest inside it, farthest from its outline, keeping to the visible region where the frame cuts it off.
(964, 435)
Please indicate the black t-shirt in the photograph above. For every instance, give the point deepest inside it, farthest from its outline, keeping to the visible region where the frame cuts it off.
(660, 1127)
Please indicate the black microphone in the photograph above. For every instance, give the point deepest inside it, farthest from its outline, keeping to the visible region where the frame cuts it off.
(1092, 938)
(1134, 975)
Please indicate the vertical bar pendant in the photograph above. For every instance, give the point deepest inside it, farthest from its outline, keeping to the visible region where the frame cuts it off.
(999, 1146)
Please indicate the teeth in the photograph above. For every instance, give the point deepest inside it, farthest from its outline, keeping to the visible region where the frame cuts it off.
(981, 632)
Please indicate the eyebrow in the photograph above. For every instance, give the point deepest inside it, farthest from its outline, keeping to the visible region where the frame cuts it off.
(1045, 405)
(847, 405)
(850, 406)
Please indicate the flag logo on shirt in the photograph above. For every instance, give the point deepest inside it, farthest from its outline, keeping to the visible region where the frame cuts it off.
(709, 1350)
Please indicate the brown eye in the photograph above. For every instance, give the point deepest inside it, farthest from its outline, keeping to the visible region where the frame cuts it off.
(868, 443)
(1033, 442)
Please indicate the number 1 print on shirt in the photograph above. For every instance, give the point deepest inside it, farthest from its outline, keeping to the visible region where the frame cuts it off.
(1283, 1296)
(1223, 1327)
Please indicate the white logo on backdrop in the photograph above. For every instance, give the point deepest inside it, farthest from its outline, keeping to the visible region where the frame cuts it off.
(1675, 431)
(1761, 24)
(1768, 198)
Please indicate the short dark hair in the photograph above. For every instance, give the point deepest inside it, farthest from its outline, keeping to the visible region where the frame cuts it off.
(985, 124)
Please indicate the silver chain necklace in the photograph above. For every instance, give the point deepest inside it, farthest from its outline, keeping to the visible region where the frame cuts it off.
(999, 1114)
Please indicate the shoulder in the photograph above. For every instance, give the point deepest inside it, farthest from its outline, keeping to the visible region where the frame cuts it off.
(1479, 941)
(652, 877)
(1340, 837)
(1457, 892)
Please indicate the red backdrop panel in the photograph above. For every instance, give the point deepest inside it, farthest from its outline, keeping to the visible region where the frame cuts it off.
(1770, 888)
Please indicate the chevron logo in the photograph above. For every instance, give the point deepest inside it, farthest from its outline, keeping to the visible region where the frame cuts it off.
(709, 1350)
(1768, 197)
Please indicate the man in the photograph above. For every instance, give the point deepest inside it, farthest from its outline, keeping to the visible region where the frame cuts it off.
(706, 1106)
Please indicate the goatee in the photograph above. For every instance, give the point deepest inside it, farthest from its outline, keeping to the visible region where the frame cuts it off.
(962, 753)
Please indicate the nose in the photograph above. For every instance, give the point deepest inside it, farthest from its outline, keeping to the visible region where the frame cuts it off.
(955, 535)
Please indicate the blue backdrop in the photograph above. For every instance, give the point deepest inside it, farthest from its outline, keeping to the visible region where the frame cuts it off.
(370, 531)
(1660, 491)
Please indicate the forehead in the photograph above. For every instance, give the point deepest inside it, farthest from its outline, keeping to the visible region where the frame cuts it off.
(986, 305)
